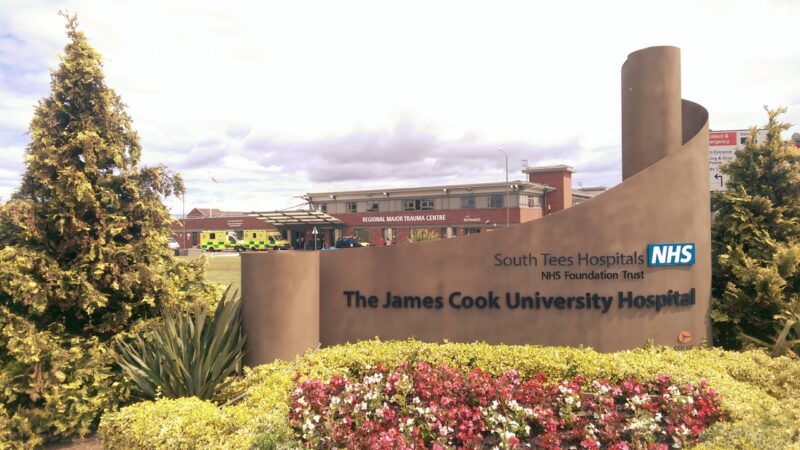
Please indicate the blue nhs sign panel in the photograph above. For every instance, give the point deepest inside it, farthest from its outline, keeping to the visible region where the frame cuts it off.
(670, 254)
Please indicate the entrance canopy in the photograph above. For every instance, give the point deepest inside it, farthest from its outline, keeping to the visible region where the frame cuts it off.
(289, 218)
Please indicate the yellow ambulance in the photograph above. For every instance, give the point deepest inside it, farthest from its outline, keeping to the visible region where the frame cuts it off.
(220, 240)
(264, 240)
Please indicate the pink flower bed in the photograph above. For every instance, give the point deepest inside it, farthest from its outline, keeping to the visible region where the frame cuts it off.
(421, 406)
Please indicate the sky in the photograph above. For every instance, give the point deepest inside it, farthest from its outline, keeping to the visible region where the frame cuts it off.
(277, 99)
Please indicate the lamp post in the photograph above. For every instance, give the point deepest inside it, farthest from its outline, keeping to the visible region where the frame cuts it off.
(183, 241)
(508, 220)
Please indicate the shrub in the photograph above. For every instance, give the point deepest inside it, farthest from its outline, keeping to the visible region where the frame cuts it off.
(758, 394)
(176, 424)
(52, 385)
(422, 234)
(186, 354)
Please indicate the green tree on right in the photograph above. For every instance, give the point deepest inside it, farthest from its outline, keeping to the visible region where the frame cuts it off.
(756, 242)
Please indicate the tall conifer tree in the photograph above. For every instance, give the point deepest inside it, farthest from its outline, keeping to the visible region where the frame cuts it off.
(87, 225)
(83, 256)
(756, 238)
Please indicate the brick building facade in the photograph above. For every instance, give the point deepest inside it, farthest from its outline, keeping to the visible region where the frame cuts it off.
(390, 215)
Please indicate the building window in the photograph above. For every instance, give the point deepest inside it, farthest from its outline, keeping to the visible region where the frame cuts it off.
(373, 207)
(496, 201)
(443, 233)
(576, 200)
(535, 201)
(419, 204)
(322, 207)
(362, 234)
(468, 231)
(194, 238)
(350, 207)
(468, 202)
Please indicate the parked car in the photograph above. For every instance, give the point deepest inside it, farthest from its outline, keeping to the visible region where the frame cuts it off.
(172, 243)
(350, 242)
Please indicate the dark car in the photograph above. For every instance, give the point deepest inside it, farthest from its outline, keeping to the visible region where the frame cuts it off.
(349, 242)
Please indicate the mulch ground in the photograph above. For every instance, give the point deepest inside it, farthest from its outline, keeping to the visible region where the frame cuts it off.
(89, 443)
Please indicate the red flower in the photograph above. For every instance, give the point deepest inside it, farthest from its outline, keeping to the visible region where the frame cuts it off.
(446, 407)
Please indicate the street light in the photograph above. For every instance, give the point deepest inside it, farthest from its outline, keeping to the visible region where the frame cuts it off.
(508, 220)
(183, 241)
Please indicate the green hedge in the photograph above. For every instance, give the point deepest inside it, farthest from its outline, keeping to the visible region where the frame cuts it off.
(760, 394)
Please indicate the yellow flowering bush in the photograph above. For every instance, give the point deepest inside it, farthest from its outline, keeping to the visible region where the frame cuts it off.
(759, 394)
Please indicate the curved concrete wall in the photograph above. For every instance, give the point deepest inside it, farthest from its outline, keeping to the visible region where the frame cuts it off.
(664, 199)
(280, 304)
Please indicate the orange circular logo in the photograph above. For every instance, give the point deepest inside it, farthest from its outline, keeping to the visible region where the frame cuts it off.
(684, 337)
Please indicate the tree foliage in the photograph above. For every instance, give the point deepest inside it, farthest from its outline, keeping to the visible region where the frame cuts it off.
(83, 254)
(756, 239)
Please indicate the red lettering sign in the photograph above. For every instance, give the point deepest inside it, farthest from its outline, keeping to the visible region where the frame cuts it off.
(728, 138)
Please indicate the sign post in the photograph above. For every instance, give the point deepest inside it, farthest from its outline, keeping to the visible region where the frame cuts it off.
(722, 149)
(315, 232)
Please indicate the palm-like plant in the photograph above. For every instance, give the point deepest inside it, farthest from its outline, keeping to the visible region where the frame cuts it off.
(787, 342)
(187, 354)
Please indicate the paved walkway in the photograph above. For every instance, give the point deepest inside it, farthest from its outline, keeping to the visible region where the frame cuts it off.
(90, 443)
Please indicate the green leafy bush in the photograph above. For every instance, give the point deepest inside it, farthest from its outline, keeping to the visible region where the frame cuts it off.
(422, 234)
(759, 394)
(52, 384)
(182, 423)
(186, 354)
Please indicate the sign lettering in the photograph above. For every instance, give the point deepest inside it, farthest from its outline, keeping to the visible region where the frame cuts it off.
(670, 254)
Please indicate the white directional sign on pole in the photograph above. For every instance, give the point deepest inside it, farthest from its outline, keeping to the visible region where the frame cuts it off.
(721, 149)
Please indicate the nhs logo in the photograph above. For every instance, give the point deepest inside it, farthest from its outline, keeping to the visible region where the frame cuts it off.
(670, 254)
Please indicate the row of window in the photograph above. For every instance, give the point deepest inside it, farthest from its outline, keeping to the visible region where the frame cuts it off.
(351, 207)
(467, 202)
(418, 204)
(427, 204)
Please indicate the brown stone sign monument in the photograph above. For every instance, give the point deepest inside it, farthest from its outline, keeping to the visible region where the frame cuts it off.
(629, 265)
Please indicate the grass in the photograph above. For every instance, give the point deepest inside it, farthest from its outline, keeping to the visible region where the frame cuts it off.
(222, 268)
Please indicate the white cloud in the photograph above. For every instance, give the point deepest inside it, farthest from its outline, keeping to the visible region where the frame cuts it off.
(282, 98)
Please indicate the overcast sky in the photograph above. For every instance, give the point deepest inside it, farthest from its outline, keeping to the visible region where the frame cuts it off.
(276, 99)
